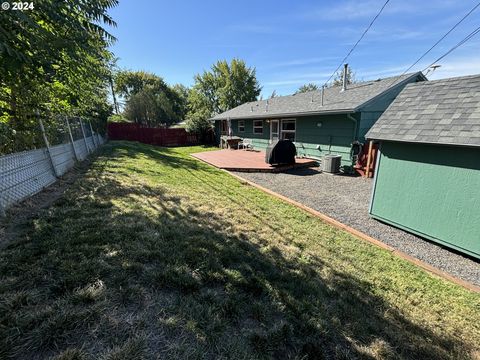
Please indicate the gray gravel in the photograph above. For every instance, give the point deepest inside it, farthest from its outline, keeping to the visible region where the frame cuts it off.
(346, 199)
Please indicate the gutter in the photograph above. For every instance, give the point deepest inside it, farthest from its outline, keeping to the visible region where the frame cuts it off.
(471, 146)
(282, 115)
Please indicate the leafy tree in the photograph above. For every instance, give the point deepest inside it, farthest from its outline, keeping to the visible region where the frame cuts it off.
(149, 100)
(338, 80)
(118, 118)
(150, 107)
(306, 88)
(224, 87)
(128, 83)
(54, 59)
(199, 113)
(180, 100)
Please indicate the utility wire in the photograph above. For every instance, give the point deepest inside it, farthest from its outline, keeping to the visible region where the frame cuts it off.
(438, 41)
(460, 43)
(358, 41)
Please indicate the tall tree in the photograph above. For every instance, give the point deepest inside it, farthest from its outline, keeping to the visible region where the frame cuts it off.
(180, 100)
(128, 82)
(149, 100)
(150, 107)
(224, 87)
(53, 58)
(306, 88)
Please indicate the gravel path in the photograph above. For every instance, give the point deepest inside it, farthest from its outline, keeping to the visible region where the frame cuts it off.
(346, 199)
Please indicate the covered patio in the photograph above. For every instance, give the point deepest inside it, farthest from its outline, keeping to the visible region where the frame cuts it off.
(247, 161)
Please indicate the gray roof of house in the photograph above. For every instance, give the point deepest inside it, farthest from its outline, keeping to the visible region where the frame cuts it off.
(443, 111)
(334, 100)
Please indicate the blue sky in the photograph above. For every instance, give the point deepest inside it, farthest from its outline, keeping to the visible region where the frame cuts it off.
(292, 42)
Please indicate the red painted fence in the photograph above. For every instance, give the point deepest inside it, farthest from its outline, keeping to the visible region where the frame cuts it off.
(152, 136)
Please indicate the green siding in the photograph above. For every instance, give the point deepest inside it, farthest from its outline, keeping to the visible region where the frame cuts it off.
(334, 136)
(259, 141)
(432, 191)
(368, 118)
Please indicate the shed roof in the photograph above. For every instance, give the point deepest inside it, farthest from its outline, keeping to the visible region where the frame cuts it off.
(334, 100)
(443, 111)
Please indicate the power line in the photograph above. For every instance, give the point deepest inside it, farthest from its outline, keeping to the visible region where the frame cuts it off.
(460, 43)
(358, 41)
(438, 41)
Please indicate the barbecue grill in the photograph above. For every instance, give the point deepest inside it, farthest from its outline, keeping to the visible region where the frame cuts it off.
(281, 152)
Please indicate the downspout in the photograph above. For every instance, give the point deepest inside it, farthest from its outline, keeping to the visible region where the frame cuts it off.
(350, 117)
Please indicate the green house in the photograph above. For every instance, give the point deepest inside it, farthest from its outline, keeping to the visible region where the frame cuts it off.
(428, 174)
(319, 122)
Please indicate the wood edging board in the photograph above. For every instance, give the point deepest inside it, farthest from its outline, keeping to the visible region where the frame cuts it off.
(433, 270)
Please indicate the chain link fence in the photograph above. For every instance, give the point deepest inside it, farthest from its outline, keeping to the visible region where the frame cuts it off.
(33, 159)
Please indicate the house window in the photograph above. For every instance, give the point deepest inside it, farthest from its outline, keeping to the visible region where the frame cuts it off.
(258, 126)
(288, 129)
(241, 125)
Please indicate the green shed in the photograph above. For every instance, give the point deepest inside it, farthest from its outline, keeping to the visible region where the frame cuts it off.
(428, 173)
(319, 122)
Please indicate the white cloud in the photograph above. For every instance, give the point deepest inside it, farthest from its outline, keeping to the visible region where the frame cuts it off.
(357, 9)
(352, 9)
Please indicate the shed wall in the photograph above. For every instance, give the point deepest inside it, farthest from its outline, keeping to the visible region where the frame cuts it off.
(432, 191)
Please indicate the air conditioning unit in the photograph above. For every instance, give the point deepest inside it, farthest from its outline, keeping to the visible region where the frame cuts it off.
(331, 163)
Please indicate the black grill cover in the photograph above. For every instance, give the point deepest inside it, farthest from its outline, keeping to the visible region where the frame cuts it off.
(280, 152)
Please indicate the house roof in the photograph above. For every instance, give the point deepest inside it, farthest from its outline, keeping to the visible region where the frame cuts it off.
(443, 111)
(334, 100)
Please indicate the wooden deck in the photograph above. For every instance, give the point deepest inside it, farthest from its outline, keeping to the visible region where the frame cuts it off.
(247, 161)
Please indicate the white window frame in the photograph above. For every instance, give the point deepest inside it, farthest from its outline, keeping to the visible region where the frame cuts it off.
(241, 128)
(294, 132)
(271, 129)
(257, 127)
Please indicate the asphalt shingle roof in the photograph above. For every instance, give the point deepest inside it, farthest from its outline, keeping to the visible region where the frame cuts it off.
(334, 100)
(443, 111)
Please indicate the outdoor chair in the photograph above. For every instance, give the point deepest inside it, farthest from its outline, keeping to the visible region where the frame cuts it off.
(245, 144)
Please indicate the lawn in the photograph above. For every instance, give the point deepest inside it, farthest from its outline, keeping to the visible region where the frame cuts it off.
(152, 254)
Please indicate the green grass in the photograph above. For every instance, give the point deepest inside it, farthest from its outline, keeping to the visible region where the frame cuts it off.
(152, 254)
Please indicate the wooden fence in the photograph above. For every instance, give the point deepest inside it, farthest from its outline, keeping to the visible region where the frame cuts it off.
(152, 136)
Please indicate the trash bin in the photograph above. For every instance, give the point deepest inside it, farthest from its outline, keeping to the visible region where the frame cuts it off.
(331, 163)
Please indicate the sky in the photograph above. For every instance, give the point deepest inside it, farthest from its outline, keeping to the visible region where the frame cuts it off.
(291, 43)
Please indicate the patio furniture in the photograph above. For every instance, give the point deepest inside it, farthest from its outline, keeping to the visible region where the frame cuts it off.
(230, 142)
(246, 144)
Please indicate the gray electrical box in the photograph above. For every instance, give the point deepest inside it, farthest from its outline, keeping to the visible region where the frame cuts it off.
(331, 163)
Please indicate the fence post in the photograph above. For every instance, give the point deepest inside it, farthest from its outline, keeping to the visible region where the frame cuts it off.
(84, 137)
(47, 145)
(93, 137)
(71, 139)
